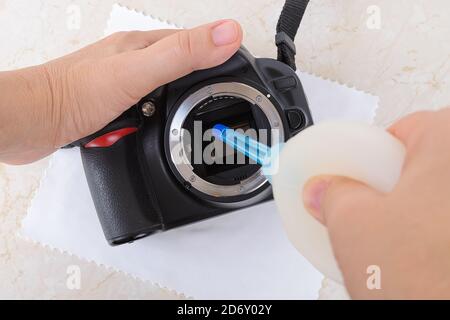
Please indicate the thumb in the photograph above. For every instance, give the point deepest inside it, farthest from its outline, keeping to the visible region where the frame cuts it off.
(141, 71)
(330, 197)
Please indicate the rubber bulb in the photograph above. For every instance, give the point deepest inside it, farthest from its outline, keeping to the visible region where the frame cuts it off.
(358, 151)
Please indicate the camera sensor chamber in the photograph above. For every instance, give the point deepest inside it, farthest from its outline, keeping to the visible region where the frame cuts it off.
(208, 168)
(212, 160)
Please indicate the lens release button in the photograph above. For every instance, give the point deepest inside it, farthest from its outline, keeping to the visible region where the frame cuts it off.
(296, 119)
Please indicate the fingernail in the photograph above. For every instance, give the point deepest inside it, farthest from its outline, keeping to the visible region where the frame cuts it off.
(313, 197)
(225, 33)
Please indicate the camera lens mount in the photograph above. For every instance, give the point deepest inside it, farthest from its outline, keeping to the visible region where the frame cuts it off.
(178, 149)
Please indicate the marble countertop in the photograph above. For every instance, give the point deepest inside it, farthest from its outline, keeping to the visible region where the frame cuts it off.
(398, 50)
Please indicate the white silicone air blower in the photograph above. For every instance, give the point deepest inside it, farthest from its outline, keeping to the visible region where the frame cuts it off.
(358, 151)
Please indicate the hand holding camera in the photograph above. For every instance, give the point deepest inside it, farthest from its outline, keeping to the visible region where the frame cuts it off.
(152, 168)
(76, 95)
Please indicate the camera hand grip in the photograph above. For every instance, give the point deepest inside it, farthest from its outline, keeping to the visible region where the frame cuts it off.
(118, 188)
(357, 151)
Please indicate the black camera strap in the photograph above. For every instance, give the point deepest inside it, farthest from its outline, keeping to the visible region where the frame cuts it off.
(288, 25)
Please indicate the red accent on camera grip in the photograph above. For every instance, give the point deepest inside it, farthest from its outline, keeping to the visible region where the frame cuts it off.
(110, 138)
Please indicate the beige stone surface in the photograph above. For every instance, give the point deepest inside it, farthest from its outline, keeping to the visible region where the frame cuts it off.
(396, 49)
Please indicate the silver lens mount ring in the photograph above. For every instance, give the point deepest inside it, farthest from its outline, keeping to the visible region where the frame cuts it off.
(183, 165)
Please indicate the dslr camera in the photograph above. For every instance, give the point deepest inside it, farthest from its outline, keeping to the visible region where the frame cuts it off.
(140, 168)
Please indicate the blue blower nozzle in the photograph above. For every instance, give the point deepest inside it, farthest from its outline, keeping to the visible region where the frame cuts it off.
(256, 151)
(250, 147)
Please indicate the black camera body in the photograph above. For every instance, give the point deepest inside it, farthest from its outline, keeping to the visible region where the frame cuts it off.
(137, 187)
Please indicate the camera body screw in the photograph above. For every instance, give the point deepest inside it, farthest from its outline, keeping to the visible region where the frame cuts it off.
(148, 109)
